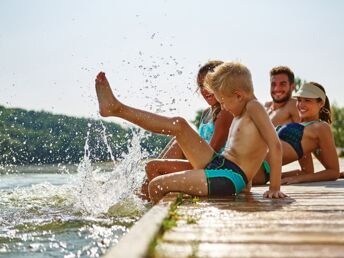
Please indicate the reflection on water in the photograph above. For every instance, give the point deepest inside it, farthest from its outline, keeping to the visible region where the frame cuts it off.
(69, 211)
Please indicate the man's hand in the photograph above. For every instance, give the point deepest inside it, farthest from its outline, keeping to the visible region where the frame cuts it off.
(274, 194)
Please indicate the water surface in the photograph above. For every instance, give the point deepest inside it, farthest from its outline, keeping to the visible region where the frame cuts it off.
(68, 211)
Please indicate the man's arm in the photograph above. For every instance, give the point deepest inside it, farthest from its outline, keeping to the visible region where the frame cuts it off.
(294, 113)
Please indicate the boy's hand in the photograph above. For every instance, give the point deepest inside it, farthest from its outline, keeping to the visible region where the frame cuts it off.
(274, 194)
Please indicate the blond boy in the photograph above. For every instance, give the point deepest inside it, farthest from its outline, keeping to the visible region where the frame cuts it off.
(250, 137)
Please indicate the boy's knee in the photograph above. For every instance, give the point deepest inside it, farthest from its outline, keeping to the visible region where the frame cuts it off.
(153, 187)
(150, 166)
(151, 169)
(156, 186)
(180, 123)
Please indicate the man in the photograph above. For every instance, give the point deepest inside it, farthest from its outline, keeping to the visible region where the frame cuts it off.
(282, 109)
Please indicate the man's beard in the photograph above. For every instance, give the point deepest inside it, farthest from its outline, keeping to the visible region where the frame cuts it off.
(284, 99)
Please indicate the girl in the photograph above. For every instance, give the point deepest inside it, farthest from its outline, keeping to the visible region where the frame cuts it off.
(213, 128)
(252, 134)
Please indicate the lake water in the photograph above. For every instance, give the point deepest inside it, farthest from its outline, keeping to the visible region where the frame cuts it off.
(69, 211)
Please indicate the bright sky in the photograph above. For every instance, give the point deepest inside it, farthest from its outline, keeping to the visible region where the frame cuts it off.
(51, 51)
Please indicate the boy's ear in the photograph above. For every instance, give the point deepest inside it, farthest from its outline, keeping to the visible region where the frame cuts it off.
(238, 94)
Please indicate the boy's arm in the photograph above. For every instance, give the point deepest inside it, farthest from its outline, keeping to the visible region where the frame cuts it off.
(268, 133)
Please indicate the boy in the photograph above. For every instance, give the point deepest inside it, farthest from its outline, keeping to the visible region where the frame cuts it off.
(250, 137)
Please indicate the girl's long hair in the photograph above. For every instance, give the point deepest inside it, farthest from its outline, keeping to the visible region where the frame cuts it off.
(202, 72)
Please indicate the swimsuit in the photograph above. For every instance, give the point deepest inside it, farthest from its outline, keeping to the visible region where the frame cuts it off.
(224, 177)
(292, 133)
(267, 171)
(206, 130)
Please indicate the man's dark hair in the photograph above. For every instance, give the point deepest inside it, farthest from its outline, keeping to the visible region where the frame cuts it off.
(283, 70)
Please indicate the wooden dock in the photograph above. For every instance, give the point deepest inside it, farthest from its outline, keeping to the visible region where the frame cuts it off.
(309, 223)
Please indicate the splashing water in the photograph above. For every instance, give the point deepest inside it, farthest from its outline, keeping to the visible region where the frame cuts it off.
(98, 191)
(74, 215)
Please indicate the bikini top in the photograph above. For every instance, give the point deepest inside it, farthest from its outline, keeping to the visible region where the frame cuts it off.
(206, 130)
(292, 133)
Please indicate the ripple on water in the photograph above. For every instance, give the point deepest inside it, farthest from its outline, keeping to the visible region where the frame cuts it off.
(80, 217)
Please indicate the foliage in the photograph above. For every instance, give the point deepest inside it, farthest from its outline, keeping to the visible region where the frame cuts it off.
(29, 137)
(298, 83)
(338, 125)
(197, 119)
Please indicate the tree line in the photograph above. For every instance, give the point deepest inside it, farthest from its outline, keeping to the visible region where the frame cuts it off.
(30, 137)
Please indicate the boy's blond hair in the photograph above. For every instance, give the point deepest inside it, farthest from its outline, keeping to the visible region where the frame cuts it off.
(228, 77)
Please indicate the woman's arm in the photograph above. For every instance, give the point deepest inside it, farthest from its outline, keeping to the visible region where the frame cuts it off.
(306, 167)
(327, 156)
(222, 124)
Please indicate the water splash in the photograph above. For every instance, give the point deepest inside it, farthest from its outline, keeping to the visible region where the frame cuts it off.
(80, 217)
(98, 190)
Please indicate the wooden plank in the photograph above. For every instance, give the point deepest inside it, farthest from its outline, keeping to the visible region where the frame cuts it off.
(308, 224)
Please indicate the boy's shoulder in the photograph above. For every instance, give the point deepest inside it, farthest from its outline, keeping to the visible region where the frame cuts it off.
(268, 104)
(256, 111)
(252, 104)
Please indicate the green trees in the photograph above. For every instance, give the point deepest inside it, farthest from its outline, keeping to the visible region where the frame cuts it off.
(338, 127)
(28, 137)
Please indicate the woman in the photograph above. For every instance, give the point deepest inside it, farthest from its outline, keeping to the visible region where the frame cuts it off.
(312, 135)
(214, 128)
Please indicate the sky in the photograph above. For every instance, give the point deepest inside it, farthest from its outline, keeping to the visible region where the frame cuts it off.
(51, 51)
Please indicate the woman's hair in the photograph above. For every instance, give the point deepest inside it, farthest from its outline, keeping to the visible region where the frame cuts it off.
(205, 69)
(325, 111)
(202, 73)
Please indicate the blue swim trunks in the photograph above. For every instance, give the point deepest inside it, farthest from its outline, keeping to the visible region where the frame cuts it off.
(224, 177)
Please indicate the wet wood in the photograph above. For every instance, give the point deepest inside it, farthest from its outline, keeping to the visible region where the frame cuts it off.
(309, 223)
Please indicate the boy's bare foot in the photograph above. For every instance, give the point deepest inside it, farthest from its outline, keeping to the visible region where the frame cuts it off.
(108, 104)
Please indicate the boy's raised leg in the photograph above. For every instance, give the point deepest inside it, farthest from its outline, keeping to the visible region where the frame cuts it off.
(196, 150)
(108, 104)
